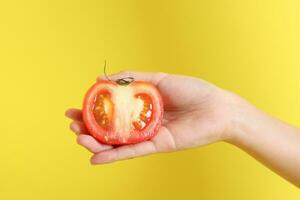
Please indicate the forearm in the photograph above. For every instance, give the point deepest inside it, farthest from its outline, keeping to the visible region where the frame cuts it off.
(269, 140)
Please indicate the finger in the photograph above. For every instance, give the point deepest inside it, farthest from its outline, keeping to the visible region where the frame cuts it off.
(74, 114)
(78, 128)
(154, 77)
(92, 144)
(164, 141)
(124, 152)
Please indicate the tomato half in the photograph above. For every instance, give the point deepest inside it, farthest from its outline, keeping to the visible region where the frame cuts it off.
(122, 114)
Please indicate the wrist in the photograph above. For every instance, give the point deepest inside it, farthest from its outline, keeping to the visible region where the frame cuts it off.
(244, 117)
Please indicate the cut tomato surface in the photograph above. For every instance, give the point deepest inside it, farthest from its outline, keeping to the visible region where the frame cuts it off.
(122, 114)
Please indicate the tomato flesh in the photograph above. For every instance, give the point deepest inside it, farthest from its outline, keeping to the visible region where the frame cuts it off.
(103, 109)
(116, 114)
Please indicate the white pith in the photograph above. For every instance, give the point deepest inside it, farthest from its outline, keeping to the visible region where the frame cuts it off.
(127, 108)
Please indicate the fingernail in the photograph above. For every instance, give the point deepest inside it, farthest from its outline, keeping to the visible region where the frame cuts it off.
(96, 161)
(92, 161)
(67, 113)
(74, 127)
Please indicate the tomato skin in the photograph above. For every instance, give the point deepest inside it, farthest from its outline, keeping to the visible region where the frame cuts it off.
(136, 136)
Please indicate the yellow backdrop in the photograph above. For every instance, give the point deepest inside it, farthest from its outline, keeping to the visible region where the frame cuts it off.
(51, 51)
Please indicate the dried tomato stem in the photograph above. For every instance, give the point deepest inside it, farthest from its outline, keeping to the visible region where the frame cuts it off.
(121, 81)
(125, 81)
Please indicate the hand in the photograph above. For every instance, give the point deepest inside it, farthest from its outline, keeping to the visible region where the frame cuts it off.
(196, 113)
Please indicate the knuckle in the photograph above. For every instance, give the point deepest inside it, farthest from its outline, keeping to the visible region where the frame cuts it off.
(161, 74)
(123, 71)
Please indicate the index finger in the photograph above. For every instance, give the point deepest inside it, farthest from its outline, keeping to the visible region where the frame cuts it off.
(75, 114)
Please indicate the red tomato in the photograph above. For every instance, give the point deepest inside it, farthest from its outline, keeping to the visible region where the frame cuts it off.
(122, 114)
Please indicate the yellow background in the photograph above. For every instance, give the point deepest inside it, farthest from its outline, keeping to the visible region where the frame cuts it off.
(51, 51)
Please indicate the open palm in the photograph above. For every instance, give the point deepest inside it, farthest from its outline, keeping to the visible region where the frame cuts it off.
(196, 113)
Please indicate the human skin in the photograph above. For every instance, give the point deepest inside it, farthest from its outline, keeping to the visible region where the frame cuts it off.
(198, 113)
